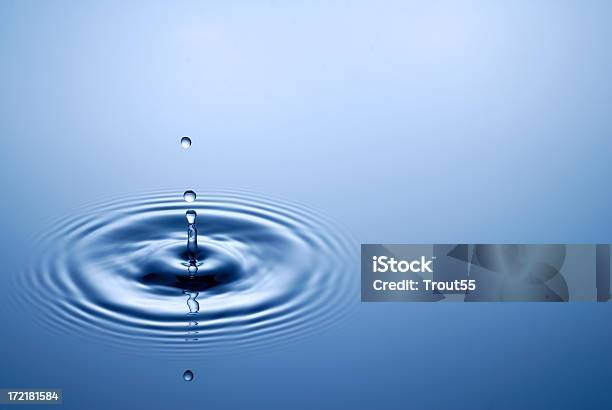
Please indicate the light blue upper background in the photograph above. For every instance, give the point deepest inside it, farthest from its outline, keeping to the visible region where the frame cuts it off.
(438, 121)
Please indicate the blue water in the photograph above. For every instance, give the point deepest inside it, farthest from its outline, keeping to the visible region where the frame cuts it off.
(418, 122)
(264, 273)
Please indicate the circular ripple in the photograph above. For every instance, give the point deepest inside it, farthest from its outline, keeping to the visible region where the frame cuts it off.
(268, 272)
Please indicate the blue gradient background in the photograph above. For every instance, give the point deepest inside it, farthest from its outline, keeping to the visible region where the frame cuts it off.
(438, 121)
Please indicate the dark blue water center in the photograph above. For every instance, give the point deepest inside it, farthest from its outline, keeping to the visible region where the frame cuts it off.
(217, 268)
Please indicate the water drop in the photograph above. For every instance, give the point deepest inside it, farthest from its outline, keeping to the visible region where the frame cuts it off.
(188, 375)
(191, 216)
(185, 142)
(189, 196)
(192, 269)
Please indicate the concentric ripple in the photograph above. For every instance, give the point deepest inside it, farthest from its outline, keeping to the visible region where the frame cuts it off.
(268, 272)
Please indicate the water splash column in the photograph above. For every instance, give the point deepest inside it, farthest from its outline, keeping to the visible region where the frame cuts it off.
(192, 253)
(192, 239)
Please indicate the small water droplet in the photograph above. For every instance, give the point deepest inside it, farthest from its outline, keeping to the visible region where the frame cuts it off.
(192, 269)
(188, 375)
(185, 142)
(191, 216)
(189, 196)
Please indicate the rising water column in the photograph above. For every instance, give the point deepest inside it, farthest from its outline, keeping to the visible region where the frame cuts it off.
(192, 239)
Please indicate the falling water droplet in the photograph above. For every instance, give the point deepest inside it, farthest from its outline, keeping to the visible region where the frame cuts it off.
(188, 375)
(191, 216)
(189, 196)
(185, 142)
